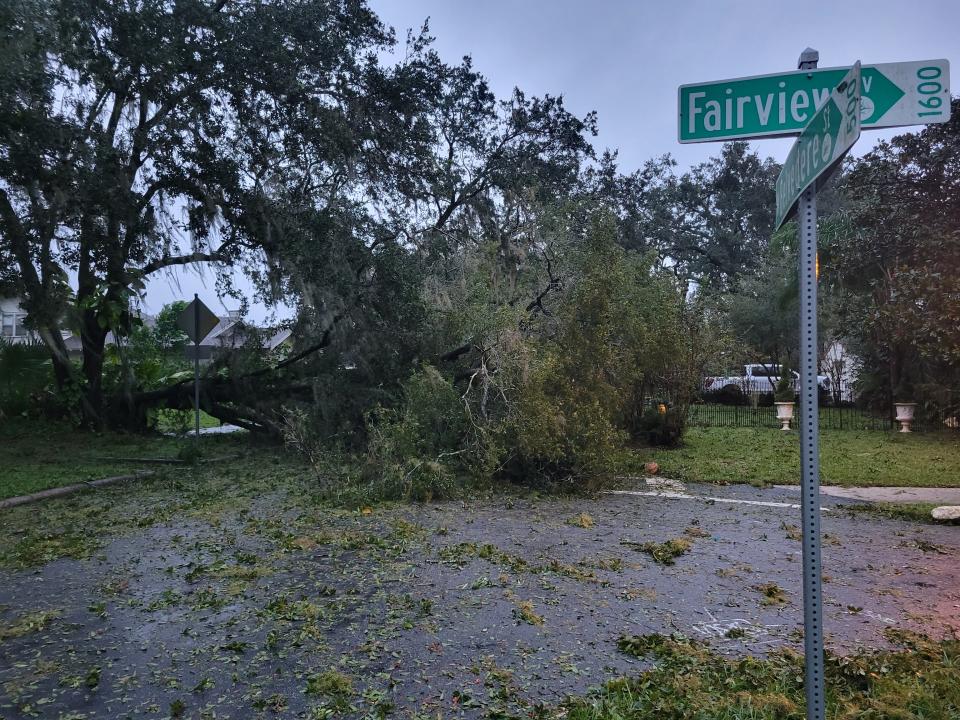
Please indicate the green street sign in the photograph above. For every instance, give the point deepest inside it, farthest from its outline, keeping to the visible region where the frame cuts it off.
(822, 144)
(894, 94)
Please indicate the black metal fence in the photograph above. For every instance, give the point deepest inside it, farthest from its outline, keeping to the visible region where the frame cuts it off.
(831, 418)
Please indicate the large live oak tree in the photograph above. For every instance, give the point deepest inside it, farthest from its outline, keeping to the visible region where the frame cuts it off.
(136, 137)
(365, 272)
(710, 226)
(269, 135)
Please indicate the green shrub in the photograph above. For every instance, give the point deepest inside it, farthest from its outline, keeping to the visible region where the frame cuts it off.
(430, 420)
(784, 391)
(25, 371)
(564, 429)
(417, 450)
(417, 479)
(662, 426)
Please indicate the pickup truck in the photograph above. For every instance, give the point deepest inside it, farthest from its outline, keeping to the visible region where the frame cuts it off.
(757, 378)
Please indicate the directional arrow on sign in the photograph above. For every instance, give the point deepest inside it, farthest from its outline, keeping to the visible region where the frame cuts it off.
(894, 95)
(880, 98)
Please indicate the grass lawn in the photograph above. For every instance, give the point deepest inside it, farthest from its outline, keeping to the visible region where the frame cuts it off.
(36, 456)
(182, 421)
(848, 457)
(690, 681)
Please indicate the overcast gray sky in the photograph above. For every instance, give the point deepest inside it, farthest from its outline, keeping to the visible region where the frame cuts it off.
(625, 59)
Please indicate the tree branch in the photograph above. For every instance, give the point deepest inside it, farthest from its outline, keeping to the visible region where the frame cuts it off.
(324, 342)
(18, 241)
(172, 260)
(456, 352)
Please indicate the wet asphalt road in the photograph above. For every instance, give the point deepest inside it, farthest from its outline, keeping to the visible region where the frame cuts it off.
(460, 609)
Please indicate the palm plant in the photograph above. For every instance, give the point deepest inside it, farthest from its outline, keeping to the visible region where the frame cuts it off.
(24, 369)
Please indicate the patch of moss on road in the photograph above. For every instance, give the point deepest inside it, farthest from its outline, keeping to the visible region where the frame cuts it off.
(26, 624)
(691, 681)
(914, 512)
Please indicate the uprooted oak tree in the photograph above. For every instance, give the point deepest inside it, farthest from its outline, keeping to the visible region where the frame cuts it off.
(545, 377)
(432, 238)
(141, 137)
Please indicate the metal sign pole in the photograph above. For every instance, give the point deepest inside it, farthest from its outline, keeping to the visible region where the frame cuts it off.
(810, 446)
(197, 321)
(196, 367)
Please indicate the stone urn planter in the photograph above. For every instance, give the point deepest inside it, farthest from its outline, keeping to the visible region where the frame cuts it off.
(784, 414)
(905, 415)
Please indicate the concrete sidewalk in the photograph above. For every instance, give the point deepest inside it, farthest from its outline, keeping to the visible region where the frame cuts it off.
(213, 430)
(936, 496)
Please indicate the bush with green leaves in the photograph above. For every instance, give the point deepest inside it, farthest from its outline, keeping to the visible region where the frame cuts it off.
(662, 426)
(417, 450)
(25, 371)
(547, 393)
(564, 429)
(784, 391)
(625, 335)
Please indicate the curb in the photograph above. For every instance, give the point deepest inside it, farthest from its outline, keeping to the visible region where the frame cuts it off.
(168, 461)
(70, 489)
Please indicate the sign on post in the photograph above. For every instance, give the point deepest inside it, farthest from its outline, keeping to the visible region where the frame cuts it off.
(822, 144)
(782, 104)
(827, 108)
(197, 320)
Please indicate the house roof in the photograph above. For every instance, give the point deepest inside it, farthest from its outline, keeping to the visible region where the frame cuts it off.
(232, 332)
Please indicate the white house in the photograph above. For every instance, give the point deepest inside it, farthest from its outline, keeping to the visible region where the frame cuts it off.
(232, 333)
(12, 317)
(842, 367)
(13, 330)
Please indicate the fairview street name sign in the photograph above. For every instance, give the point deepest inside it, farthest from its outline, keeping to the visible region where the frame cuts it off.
(894, 94)
(822, 144)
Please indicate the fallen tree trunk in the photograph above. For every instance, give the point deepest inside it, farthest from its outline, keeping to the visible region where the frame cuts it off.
(252, 401)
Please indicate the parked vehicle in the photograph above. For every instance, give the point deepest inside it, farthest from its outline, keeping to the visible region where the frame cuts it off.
(757, 379)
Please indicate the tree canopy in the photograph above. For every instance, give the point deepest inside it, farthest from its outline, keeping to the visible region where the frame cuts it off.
(431, 236)
(895, 253)
(139, 137)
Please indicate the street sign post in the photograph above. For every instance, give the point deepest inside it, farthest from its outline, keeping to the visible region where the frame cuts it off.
(822, 145)
(827, 109)
(830, 133)
(197, 320)
(782, 104)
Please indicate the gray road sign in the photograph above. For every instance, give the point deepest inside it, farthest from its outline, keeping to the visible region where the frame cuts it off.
(197, 320)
